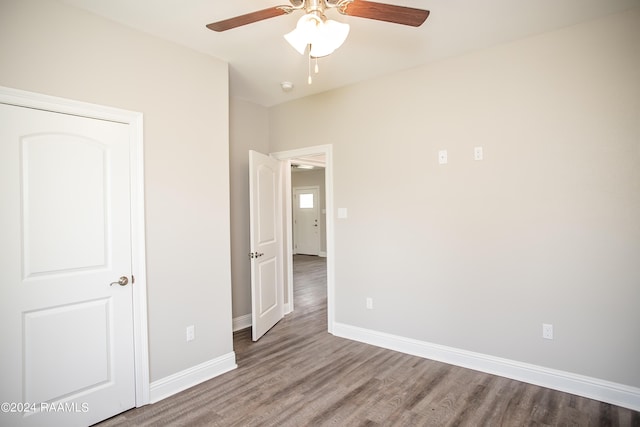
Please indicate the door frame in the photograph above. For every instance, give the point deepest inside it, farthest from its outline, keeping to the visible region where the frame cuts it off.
(316, 207)
(133, 119)
(327, 151)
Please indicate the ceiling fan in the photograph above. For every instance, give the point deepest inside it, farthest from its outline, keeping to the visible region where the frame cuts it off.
(360, 8)
(318, 35)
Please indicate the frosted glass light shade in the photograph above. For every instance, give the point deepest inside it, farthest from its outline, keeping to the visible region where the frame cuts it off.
(329, 36)
(304, 32)
(323, 36)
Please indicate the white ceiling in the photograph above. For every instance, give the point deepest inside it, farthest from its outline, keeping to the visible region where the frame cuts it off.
(259, 58)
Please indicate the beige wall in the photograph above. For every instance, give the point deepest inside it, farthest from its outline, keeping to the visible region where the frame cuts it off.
(54, 49)
(477, 255)
(249, 130)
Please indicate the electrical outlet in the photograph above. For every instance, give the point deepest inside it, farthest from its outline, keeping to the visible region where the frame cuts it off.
(191, 333)
(547, 331)
(369, 303)
(477, 153)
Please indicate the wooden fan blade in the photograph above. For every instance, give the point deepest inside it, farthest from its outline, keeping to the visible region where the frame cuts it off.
(386, 12)
(248, 18)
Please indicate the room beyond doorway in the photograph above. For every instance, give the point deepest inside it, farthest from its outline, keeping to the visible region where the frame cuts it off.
(325, 152)
(310, 286)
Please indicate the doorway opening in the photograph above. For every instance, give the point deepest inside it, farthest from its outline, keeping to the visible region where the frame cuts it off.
(320, 157)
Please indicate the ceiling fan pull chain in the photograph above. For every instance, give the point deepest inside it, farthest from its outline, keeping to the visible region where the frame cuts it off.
(309, 80)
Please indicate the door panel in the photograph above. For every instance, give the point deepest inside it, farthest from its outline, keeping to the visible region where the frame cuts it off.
(267, 192)
(267, 299)
(65, 221)
(61, 235)
(268, 287)
(60, 337)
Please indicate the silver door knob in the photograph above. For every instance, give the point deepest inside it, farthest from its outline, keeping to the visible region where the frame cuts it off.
(122, 282)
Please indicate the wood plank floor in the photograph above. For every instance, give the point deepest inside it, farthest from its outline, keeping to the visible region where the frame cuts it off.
(299, 375)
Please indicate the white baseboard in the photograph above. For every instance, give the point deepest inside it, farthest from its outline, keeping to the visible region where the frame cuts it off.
(592, 388)
(322, 254)
(242, 322)
(190, 377)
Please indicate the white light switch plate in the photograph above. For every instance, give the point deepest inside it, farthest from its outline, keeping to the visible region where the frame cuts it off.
(342, 213)
(442, 157)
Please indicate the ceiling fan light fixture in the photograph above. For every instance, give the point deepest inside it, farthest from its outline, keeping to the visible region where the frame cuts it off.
(330, 36)
(304, 32)
(324, 35)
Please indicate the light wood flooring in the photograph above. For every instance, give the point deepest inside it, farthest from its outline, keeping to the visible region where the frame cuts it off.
(299, 375)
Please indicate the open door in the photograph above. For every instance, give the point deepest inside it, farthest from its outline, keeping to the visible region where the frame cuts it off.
(265, 205)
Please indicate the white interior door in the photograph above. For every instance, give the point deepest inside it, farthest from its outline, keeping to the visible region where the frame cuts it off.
(67, 331)
(306, 220)
(265, 205)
